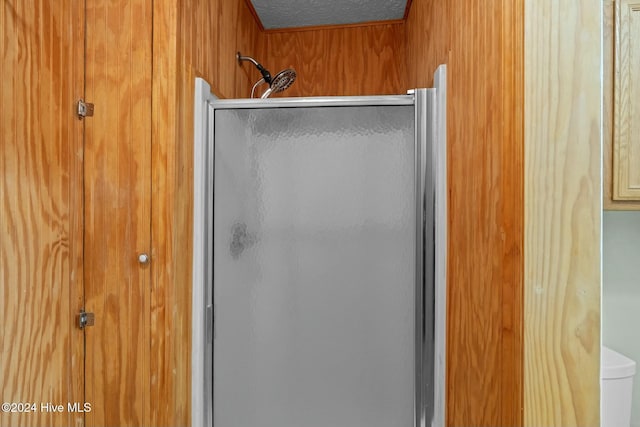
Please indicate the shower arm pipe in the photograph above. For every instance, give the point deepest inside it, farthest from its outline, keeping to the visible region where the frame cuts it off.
(265, 73)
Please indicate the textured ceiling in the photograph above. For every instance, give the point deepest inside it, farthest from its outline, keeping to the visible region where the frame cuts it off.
(302, 13)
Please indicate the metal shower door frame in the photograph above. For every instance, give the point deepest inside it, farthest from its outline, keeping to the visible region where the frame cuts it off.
(427, 371)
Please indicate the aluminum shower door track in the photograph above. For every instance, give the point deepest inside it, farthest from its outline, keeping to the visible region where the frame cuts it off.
(318, 101)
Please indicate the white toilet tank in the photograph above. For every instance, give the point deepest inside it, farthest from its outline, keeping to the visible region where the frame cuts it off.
(617, 373)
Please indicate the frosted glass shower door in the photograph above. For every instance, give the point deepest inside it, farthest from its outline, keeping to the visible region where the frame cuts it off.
(314, 267)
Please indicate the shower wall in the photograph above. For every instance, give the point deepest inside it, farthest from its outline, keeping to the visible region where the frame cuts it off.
(361, 60)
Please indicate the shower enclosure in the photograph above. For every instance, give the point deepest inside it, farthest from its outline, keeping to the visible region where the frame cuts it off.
(318, 282)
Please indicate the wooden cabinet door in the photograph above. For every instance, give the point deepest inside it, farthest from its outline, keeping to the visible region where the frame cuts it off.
(626, 140)
(117, 198)
(41, 346)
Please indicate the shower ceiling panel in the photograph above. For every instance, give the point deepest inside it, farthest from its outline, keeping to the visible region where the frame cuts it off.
(303, 13)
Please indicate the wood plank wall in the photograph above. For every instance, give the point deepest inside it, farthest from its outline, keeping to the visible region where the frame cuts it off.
(563, 130)
(41, 275)
(169, 313)
(338, 61)
(196, 38)
(482, 43)
(210, 35)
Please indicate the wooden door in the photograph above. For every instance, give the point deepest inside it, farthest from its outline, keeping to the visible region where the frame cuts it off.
(117, 211)
(41, 347)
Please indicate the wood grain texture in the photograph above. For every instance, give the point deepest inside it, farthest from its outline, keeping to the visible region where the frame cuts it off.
(41, 350)
(118, 211)
(167, 369)
(563, 212)
(237, 31)
(248, 39)
(197, 38)
(339, 61)
(608, 77)
(626, 119)
(482, 45)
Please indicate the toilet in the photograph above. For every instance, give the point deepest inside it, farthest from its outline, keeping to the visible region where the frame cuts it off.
(616, 373)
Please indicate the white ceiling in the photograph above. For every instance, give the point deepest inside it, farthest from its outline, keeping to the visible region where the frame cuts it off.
(302, 13)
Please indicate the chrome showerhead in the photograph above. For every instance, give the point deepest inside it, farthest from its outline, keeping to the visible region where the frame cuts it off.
(280, 82)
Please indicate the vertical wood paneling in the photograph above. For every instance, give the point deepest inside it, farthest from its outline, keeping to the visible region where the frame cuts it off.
(117, 211)
(248, 42)
(227, 46)
(512, 204)
(237, 31)
(40, 209)
(427, 40)
(482, 44)
(563, 212)
(365, 60)
(211, 34)
(168, 371)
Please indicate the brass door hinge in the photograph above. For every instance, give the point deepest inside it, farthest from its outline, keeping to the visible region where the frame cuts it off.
(84, 109)
(86, 319)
